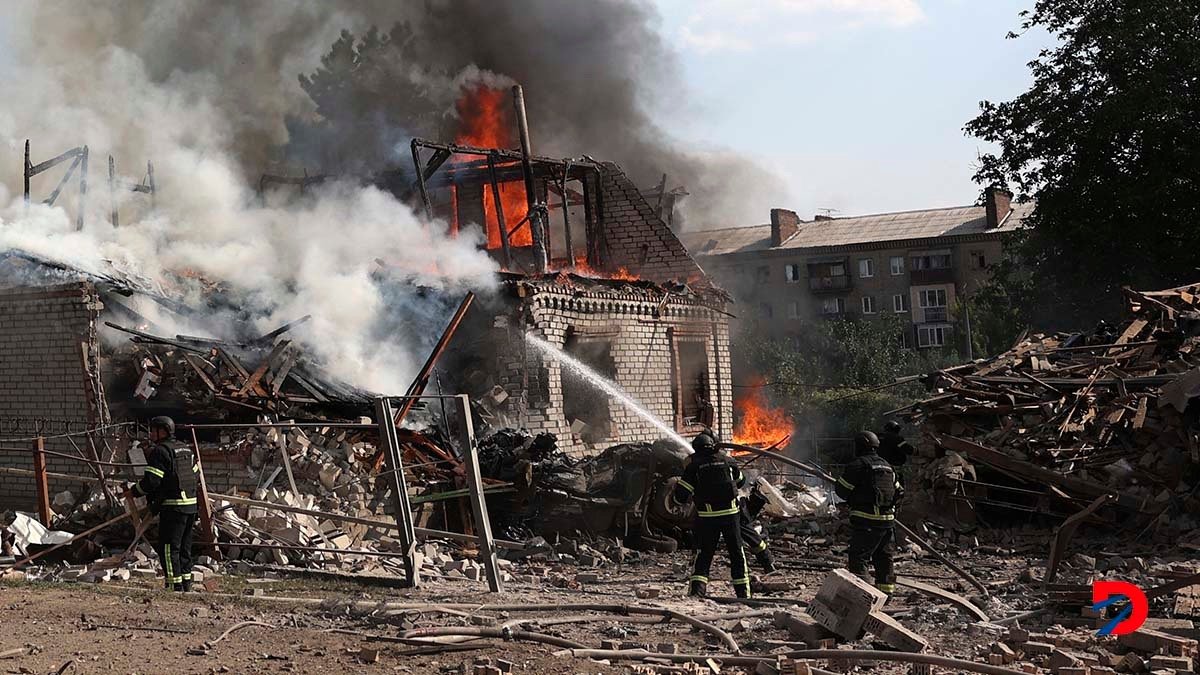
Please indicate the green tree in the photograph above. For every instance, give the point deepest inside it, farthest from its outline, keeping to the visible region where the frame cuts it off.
(824, 376)
(1106, 140)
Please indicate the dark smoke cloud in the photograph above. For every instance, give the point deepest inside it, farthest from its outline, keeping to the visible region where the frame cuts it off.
(598, 76)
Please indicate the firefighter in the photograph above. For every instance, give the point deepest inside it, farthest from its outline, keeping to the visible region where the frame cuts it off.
(752, 539)
(870, 488)
(894, 448)
(169, 485)
(712, 481)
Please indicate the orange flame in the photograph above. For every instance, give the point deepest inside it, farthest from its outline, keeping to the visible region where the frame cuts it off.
(583, 269)
(486, 123)
(760, 423)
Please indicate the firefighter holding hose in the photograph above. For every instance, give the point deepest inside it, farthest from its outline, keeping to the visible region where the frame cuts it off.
(169, 484)
(712, 481)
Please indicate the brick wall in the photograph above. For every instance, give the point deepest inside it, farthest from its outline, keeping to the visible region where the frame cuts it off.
(635, 237)
(48, 371)
(641, 351)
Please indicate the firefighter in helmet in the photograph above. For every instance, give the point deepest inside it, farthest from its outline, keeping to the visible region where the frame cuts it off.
(870, 487)
(752, 539)
(893, 446)
(169, 485)
(712, 481)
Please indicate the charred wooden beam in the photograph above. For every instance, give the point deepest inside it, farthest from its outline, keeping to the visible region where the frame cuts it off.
(420, 174)
(501, 223)
(566, 211)
(422, 380)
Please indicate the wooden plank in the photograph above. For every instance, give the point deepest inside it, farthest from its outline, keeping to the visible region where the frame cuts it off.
(278, 373)
(199, 368)
(1139, 419)
(252, 383)
(1131, 331)
(304, 384)
(208, 534)
(1038, 474)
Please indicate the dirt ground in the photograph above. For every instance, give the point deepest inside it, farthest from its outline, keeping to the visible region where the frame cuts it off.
(132, 627)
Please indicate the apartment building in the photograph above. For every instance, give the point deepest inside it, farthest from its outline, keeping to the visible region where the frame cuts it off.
(914, 264)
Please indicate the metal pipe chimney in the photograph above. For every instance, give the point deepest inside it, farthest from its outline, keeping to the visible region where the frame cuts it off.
(536, 223)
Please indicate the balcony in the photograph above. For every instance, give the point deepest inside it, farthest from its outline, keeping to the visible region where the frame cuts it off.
(935, 315)
(936, 275)
(829, 284)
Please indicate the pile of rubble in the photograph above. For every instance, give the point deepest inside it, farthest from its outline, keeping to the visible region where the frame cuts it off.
(267, 374)
(1089, 413)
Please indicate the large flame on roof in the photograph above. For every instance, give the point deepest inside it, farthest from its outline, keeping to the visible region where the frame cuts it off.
(759, 423)
(486, 123)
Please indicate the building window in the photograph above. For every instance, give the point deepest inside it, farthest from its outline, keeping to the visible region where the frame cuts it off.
(868, 304)
(693, 402)
(897, 264)
(582, 401)
(932, 336)
(766, 310)
(933, 304)
(932, 261)
(900, 302)
(866, 268)
(831, 306)
(827, 276)
(906, 338)
(791, 273)
(762, 274)
(794, 310)
(978, 260)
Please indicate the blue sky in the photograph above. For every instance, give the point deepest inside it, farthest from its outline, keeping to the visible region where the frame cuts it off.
(857, 104)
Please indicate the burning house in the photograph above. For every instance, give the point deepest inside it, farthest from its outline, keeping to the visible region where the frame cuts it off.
(601, 329)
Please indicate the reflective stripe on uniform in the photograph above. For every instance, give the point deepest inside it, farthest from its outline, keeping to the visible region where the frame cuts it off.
(845, 483)
(686, 485)
(873, 516)
(707, 512)
(156, 472)
(762, 546)
(743, 581)
(886, 588)
(191, 501)
(697, 577)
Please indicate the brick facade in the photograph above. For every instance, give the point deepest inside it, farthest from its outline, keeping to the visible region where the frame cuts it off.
(48, 371)
(642, 347)
(636, 238)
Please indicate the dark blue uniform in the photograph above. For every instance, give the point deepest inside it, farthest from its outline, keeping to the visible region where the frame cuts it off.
(174, 501)
(711, 480)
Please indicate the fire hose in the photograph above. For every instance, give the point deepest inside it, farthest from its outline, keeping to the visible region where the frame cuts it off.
(818, 472)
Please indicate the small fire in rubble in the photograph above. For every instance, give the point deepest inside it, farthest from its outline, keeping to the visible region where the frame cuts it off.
(759, 423)
(583, 269)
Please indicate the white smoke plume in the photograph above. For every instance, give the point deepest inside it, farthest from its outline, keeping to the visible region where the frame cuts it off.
(322, 255)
